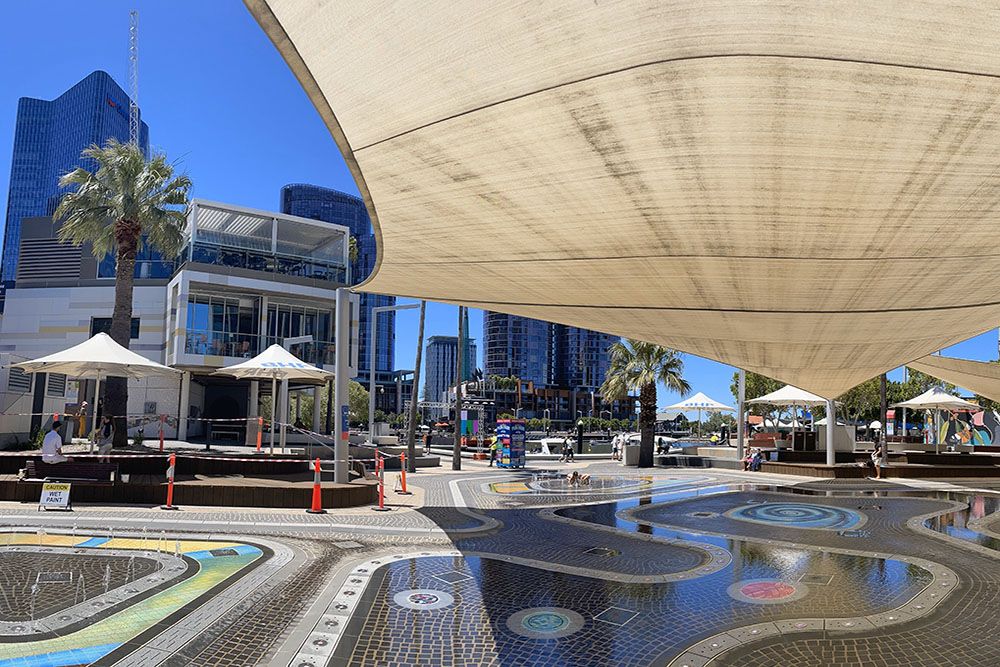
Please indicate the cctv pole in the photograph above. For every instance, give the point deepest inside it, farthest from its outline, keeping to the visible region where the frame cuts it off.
(456, 453)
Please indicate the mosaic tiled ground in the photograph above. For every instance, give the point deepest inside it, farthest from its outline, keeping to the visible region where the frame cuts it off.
(666, 568)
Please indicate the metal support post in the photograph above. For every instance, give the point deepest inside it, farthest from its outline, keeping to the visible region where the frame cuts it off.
(831, 423)
(741, 412)
(341, 429)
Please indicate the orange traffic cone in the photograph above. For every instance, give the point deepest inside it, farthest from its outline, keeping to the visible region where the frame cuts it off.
(317, 500)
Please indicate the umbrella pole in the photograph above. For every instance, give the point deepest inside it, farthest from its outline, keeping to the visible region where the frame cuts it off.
(274, 405)
(97, 400)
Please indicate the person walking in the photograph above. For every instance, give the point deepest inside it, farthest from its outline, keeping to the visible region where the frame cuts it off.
(878, 458)
(105, 438)
(52, 446)
(568, 454)
(494, 450)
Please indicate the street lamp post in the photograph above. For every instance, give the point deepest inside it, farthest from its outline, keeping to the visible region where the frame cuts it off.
(610, 415)
(546, 413)
(371, 363)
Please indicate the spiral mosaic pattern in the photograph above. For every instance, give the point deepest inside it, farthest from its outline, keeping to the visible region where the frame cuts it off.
(799, 515)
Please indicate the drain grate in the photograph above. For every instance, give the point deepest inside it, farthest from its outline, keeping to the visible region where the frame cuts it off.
(816, 579)
(869, 507)
(854, 533)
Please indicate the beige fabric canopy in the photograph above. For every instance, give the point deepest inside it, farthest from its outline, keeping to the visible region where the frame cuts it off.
(805, 190)
(978, 376)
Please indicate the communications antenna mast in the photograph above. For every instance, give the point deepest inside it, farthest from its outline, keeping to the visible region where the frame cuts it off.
(133, 77)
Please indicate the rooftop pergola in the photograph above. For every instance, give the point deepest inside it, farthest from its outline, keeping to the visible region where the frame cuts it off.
(804, 190)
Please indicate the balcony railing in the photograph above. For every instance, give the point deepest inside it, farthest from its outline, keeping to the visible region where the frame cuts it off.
(304, 267)
(245, 346)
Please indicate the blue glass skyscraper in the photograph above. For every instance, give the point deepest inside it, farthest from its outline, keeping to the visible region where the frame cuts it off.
(48, 140)
(318, 203)
(517, 346)
(547, 354)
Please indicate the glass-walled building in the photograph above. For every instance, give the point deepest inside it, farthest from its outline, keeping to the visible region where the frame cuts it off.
(48, 140)
(340, 208)
(279, 277)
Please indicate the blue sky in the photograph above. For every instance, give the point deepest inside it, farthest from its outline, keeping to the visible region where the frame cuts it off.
(219, 98)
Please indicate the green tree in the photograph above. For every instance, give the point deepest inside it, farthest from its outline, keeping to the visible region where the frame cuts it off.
(862, 402)
(128, 201)
(756, 386)
(638, 366)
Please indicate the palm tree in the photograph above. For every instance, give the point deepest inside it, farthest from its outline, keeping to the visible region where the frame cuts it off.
(127, 202)
(638, 366)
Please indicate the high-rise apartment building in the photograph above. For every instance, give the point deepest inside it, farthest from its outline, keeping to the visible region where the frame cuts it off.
(580, 357)
(48, 140)
(328, 205)
(543, 353)
(439, 366)
(516, 346)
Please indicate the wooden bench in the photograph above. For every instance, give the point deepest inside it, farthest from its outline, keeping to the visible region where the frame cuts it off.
(71, 471)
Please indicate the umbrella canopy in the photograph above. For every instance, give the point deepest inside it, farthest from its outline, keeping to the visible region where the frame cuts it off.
(789, 395)
(275, 363)
(937, 398)
(822, 422)
(97, 357)
(699, 402)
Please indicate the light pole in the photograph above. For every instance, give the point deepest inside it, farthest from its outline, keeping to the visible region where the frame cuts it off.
(371, 363)
(610, 415)
(546, 413)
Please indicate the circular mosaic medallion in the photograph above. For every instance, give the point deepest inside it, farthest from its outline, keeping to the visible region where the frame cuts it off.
(545, 622)
(766, 591)
(423, 598)
(799, 515)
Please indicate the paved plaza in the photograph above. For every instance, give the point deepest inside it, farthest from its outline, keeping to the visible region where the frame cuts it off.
(489, 567)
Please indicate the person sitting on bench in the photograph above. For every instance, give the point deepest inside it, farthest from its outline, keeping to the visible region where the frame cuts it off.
(52, 446)
(105, 440)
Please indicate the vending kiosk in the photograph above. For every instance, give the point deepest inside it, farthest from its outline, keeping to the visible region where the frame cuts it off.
(511, 438)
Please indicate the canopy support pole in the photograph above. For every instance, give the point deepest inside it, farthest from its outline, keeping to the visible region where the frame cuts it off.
(341, 427)
(182, 409)
(831, 422)
(274, 407)
(741, 424)
(97, 401)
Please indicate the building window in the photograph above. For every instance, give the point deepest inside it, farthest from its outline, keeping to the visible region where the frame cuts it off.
(18, 381)
(57, 385)
(103, 325)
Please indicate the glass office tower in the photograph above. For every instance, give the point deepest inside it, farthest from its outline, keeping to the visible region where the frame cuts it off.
(48, 140)
(328, 205)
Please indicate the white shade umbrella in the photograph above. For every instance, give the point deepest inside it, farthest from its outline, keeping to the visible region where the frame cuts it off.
(790, 396)
(937, 398)
(700, 402)
(96, 358)
(275, 363)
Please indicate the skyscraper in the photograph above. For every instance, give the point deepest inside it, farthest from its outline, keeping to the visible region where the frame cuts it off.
(48, 140)
(328, 205)
(516, 346)
(439, 368)
(544, 353)
(580, 357)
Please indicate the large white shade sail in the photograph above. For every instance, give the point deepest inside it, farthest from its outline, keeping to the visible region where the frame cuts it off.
(978, 376)
(97, 357)
(782, 186)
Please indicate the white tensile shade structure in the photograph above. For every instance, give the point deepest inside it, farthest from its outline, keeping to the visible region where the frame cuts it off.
(937, 399)
(764, 183)
(793, 397)
(96, 358)
(700, 402)
(276, 363)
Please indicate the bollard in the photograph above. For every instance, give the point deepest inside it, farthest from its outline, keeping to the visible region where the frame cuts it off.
(402, 469)
(260, 431)
(170, 484)
(380, 471)
(162, 419)
(317, 500)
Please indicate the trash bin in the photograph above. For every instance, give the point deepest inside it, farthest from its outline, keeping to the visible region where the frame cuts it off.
(631, 455)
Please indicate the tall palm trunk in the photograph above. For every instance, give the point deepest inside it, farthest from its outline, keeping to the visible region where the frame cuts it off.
(647, 420)
(411, 429)
(127, 234)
